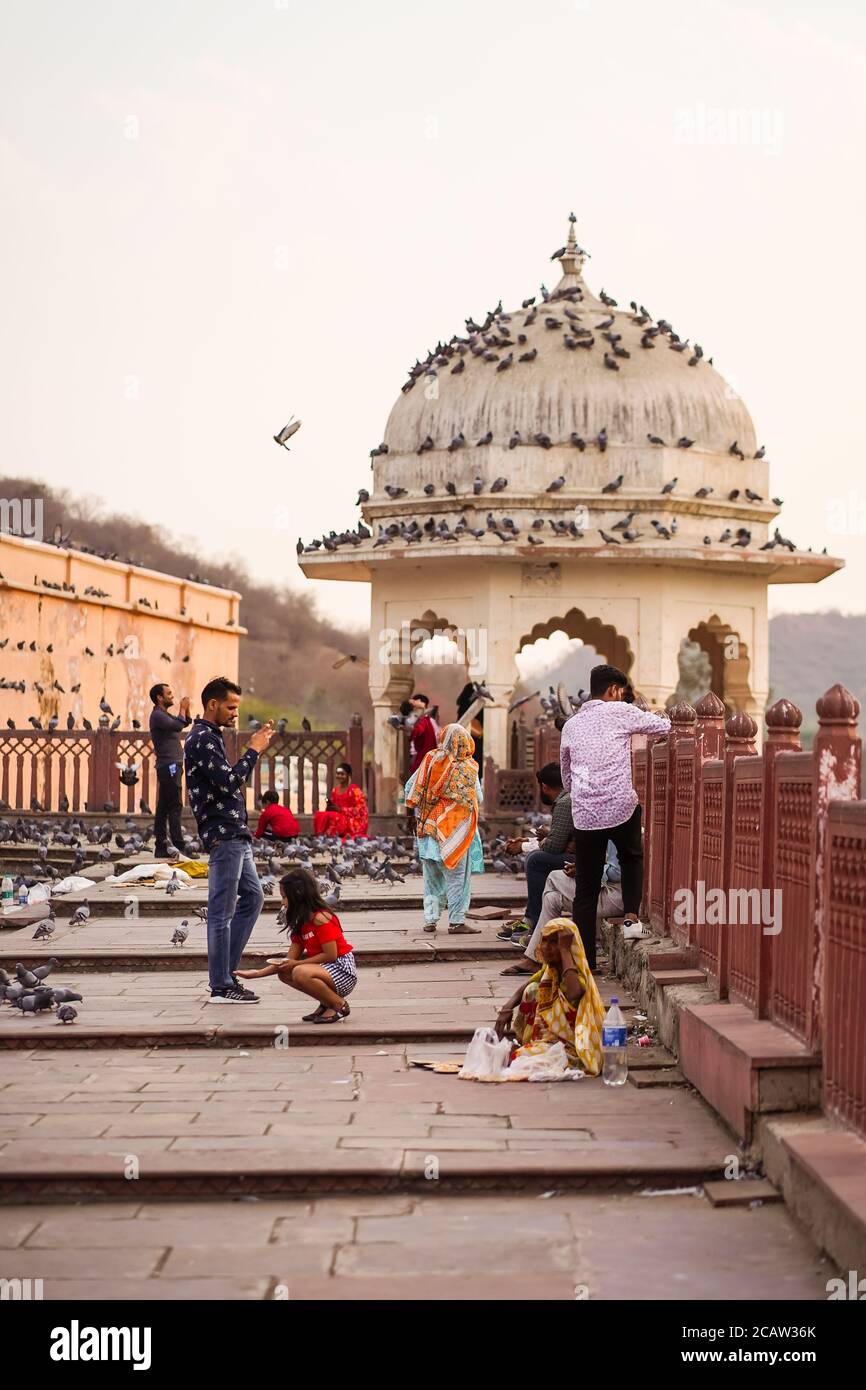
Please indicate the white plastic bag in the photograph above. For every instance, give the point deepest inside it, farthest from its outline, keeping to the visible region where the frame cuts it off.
(549, 1065)
(486, 1056)
(74, 883)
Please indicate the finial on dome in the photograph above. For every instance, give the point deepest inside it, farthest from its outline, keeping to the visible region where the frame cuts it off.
(572, 258)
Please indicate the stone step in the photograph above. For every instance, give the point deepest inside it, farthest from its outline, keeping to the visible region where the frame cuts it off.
(741, 1192)
(45, 1033)
(656, 1076)
(42, 1177)
(141, 959)
(109, 901)
(665, 978)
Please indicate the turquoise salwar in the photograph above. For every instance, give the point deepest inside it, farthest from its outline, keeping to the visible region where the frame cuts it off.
(447, 888)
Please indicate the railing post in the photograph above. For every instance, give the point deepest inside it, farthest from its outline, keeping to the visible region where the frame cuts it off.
(99, 772)
(783, 724)
(740, 731)
(709, 742)
(355, 748)
(837, 754)
(680, 814)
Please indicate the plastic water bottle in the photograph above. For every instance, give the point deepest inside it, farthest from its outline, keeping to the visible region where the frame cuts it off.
(23, 895)
(614, 1038)
(6, 893)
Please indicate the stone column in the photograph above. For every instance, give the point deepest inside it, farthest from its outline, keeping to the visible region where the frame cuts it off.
(496, 723)
(388, 745)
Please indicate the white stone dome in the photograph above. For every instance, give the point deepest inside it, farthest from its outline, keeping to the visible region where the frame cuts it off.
(566, 389)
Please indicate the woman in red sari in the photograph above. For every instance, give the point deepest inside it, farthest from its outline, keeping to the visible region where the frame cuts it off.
(346, 815)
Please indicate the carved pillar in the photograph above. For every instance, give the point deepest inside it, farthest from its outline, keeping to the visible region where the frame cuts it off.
(740, 733)
(838, 753)
(783, 724)
(709, 742)
(680, 816)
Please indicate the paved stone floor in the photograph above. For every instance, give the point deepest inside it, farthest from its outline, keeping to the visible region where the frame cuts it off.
(350, 1110)
(561, 1246)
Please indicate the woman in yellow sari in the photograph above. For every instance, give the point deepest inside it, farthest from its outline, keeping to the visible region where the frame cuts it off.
(560, 1003)
(442, 797)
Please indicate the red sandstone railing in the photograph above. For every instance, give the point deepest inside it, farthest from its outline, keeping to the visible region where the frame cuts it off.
(782, 834)
(82, 767)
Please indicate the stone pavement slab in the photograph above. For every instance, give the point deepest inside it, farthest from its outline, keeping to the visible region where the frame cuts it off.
(429, 1246)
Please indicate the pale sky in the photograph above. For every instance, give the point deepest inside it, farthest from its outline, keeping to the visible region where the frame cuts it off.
(218, 213)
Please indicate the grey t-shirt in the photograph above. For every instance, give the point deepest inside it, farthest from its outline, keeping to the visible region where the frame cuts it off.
(165, 731)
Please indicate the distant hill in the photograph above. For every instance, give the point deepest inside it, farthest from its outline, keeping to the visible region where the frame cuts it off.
(811, 651)
(287, 658)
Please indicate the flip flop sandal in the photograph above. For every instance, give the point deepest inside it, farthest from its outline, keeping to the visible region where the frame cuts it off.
(517, 970)
(339, 1015)
(429, 926)
(461, 929)
(311, 1018)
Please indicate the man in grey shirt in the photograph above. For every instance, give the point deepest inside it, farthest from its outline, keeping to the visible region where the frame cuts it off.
(165, 731)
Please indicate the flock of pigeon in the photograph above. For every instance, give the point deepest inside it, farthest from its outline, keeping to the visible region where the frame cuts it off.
(63, 541)
(29, 992)
(501, 340)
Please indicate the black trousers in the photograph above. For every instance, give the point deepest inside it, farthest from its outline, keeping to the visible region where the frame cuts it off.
(590, 853)
(168, 808)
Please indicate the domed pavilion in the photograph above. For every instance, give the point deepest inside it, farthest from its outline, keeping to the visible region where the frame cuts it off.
(571, 465)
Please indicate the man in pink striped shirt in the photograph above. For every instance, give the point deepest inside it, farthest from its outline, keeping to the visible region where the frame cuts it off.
(595, 756)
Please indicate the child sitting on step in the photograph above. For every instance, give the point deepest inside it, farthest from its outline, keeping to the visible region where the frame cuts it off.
(320, 961)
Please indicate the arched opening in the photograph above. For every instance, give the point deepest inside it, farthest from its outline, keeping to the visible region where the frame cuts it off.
(557, 653)
(714, 651)
(591, 631)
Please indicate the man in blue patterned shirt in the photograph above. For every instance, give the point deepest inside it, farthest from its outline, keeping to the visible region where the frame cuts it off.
(217, 797)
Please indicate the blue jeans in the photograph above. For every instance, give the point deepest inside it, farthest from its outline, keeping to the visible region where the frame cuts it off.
(538, 865)
(234, 901)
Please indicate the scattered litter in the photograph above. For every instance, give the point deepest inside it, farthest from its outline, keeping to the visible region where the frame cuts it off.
(554, 1192)
(644, 1040)
(243, 1054)
(671, 1192)
(642, 1017)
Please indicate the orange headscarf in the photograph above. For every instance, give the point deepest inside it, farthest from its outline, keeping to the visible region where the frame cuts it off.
(444, 796)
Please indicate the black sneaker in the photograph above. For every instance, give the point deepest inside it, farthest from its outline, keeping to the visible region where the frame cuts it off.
(233, 996)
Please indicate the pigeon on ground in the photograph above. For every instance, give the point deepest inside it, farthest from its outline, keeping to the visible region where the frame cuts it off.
(180, 934)
(80, 915)
(34, 1003)
(65, 996)
(66, 1014)
(43, 971)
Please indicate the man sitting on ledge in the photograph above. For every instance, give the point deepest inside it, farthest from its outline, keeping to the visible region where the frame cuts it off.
(543, 857)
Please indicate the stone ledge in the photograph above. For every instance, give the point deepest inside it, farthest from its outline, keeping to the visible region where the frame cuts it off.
(143, 959)
(29, 1036)
(228, 1172)
(821, 1172)
(745, 1066)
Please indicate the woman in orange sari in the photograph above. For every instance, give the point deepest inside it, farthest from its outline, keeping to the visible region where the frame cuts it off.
(442, 796)
(346, 815)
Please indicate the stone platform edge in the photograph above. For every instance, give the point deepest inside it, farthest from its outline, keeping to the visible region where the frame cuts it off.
(765, 1086)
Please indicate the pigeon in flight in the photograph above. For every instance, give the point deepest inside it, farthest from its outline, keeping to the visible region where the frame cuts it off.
(287, 431)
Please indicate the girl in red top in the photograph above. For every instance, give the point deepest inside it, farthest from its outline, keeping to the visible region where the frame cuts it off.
(320, 961)
(346, 815)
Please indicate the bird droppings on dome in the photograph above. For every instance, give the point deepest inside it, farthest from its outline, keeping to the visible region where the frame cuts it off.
(609, 434)
(541, 370)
